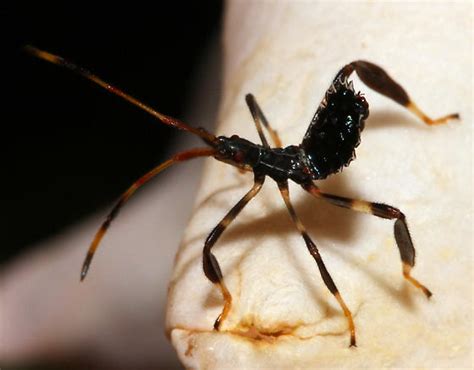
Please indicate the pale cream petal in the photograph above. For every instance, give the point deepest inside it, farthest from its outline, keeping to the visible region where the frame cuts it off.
(283, 317)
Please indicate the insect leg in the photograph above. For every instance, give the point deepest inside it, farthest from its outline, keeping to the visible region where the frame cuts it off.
(211, 267)
(377, 79)
(260, 119)
(183, 156)
(315, 253)
(402, 235)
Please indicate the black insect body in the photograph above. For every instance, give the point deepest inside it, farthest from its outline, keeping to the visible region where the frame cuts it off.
(335, 129)
(328, 145)
(278, 163)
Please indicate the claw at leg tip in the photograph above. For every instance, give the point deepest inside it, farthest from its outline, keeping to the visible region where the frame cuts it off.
(217, 323)
(427, 293)
(353, 341)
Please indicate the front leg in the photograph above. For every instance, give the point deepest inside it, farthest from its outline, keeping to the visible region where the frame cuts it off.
(259, 119)
(211, 267)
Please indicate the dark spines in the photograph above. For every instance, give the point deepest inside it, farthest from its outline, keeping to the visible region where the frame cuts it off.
(334, 132)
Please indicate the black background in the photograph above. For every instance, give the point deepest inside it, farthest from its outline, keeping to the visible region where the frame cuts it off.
(69, 147)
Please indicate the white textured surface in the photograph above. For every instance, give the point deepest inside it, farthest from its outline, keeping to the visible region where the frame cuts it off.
(286, 54)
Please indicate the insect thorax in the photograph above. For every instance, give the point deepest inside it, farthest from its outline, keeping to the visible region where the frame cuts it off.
(334, 132)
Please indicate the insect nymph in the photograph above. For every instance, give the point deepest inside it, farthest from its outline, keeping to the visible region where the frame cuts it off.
(328, 146)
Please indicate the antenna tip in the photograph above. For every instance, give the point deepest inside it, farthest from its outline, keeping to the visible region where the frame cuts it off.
(84, 273)
(43, 54)
(30, 49)
(85, 265)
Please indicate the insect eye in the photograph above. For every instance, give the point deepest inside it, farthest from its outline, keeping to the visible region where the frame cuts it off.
(238, 156)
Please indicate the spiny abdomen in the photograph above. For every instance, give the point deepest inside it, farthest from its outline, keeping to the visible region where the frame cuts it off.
(334, 132)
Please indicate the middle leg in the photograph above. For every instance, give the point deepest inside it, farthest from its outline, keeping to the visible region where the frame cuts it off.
(322, 267)
(211, 267)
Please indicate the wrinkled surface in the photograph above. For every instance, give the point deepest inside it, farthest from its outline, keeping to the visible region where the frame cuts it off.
(283, 317)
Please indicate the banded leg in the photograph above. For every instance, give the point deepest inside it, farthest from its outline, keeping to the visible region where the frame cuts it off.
(183, 156)
(260, 119)
(211, 267)
(402, 235)
(328, 281)
(377, 79)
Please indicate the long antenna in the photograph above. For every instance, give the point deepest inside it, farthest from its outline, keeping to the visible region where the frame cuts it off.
(167, 120)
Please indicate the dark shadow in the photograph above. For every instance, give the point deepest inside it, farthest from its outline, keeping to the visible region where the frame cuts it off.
(324, 222)
(380, 119)
(403, 295)
(73, 148)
